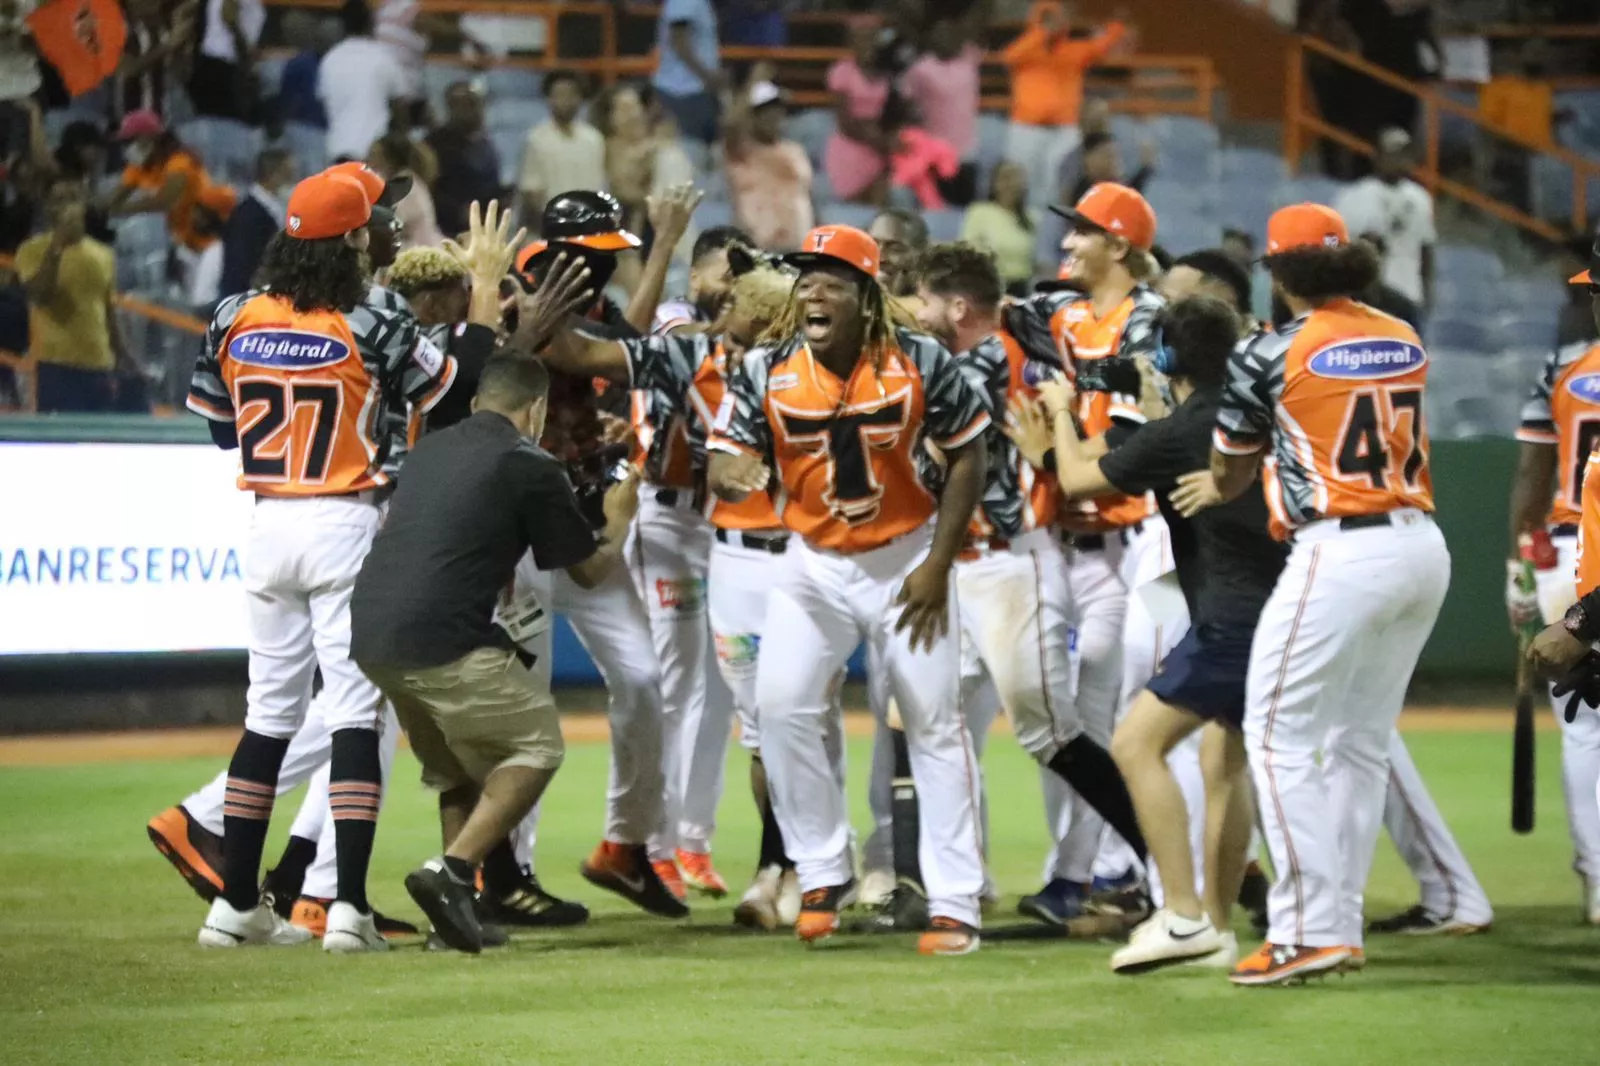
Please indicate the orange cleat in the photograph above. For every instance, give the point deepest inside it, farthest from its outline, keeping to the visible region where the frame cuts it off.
(947, 936)
(192, 849)
(700, 875)
(310, 914)
(626, 870)
(1283, 964)
(1356, 962)
(667, 870)
(819, 911)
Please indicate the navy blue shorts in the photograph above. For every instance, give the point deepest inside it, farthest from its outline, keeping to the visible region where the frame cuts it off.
(1205, 674)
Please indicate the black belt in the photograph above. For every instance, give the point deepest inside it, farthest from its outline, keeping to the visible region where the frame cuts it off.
(1565, 529)
(774, 543)
(667, 497)
(1368, 521)
(1096, 542)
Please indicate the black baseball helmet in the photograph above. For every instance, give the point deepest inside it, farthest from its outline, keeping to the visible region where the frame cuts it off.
(588, 218)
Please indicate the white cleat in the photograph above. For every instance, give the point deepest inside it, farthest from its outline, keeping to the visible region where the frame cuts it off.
(228, 928)
(350, 932)
(789, 898)
(758, 908)
(1224, 958)
(876, 888)
(1165, 939)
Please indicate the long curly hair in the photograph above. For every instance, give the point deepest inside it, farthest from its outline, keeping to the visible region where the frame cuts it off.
(320, 275)
(1319, 274)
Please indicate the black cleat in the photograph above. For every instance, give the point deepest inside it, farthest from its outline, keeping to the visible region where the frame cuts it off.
(528, 904)
(625, 869)
(192, 849)
(906, 910)
(448, 904)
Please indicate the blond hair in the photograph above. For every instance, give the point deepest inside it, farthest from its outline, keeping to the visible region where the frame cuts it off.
(762, 294)
(420, 269)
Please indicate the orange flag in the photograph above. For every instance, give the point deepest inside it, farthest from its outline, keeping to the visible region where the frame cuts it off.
(82, 39)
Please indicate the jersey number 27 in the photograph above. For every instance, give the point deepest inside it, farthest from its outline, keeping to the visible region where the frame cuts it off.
(266, 444)
(1383, 427)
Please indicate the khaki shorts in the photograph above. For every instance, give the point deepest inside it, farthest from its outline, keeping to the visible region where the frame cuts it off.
(468, 718)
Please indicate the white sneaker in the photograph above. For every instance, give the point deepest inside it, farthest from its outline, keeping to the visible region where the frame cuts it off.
(1224, 958)
(350, 932)
(876, 888)
(228, 928)
(789, 898)
(1163, 939)
(758, 908)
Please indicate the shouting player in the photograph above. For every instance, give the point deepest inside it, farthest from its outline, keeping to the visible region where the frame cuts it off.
(835, 409)
(301, 376)
(1329, 410)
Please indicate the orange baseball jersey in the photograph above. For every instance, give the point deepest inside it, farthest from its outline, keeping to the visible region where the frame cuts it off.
(1589, 528)
(1564, 410)
(707, 394)
(319, 398)
(1336, 397)
(1016, 497)
(843, 450)
(1065, 323)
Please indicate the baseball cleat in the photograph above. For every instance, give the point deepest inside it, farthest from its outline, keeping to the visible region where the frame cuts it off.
(311, 914)
(905, 912)
(228, 928)
(789, 897)
(349, 932)
(1356, 962)
(876, 887)
(448, 903)
(626, 870)
(1253, 896)
(667, 870)
(192, 849)
(1165, 939)
(529, 905)
(700, 875)
(1418, 922)
(1110, 886)
(1056, 903)
(1286, 964)
(1122, 903)
(758, 907)
(947, 936)
(819, 911)
(1225, 957)
(281, 889)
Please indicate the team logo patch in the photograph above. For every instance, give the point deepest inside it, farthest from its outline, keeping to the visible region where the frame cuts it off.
(1585, 387)
(681, 596)
(1367, 360)
(739, 652)
(428, 356)
(780, 382)
(287, 349)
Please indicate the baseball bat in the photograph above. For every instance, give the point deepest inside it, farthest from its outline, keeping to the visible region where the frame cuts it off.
(1522, 765)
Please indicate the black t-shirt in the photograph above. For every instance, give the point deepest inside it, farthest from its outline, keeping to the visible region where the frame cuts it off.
(1227, 561)
(473, 498)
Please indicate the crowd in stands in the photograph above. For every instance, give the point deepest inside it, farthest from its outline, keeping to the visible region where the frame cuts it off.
(182, 160)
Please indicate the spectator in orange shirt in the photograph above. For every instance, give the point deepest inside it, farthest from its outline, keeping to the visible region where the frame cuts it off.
(1047, 66)
(164, 176)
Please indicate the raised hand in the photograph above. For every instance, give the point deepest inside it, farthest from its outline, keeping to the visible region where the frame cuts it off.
(540, 314)
(670, 213)
(490, 247)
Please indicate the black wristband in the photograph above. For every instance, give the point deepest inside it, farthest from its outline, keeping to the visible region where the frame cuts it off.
(1589, 630)
(1050, 460)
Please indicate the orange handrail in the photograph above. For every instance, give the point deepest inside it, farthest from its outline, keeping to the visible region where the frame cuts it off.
(1298, 120)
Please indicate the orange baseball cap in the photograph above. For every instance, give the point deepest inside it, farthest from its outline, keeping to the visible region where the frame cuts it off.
(327, 205)
(1305, 226)
(841, 244)
(1587, 277)
(1115, 209)
(1582, 279)
(380, 193)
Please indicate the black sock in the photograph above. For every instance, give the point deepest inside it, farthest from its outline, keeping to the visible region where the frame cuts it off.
(1093, 774)
(772, 851)
(460, 869)
(286, 879)
(905, 811)
(246, 811)
(355, 788)
(501, 872)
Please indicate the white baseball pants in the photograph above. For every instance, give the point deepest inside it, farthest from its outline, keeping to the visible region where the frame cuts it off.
(824, 604)
(1449, 887)
(299, 570)
(668, 551)
(1099, 607)
(1580, 738)
(1336, 647)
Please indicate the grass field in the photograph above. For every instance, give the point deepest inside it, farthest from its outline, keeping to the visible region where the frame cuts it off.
(98, 962)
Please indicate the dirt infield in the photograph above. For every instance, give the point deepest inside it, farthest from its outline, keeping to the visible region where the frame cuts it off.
(218, 741)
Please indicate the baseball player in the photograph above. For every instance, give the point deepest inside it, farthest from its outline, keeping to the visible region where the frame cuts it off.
(1558, 435)
(834, 411)
(309, 368)
(711, 276)
(1329, 410)
(1115, 542)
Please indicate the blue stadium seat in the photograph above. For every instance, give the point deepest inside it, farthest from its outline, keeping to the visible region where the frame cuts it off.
(1181, 234)
(812, 128)
(1526, 330)
(514, 83)
(1467, 261)
(1253, 166)
(991, 148)
(839, 213)
(1307, 188)
(943, 225)
(1471, 336)
(1173, 197)
(713, 213)
(229, 148)
(308, 144)
(519, 114)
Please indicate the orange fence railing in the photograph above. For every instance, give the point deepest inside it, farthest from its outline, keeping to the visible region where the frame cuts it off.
(1302, 127)
(1135, 84)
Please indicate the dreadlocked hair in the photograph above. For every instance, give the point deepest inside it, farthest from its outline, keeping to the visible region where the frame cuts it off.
(881, 315)
(328, 274)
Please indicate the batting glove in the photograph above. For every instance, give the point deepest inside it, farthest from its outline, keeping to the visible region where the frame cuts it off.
(1521, 605)
(1581, 685)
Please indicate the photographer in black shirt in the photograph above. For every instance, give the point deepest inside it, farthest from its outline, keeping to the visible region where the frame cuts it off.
(1227, 564)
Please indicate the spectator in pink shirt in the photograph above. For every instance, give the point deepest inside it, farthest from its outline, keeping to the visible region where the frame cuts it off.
(857, 152)
(942, 85)
(769, 178)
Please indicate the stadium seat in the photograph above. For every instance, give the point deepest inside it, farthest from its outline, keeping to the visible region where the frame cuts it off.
(308, 144)
(812, 128)
(142, 247)
(991, 148)
(515, 113)
(1252, 166)
(1462, 261)
(229, 148)
(1468, 335)
(1527, 331)
(1307, 188)
(514, 83)
(943, 225)
(713, 213)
